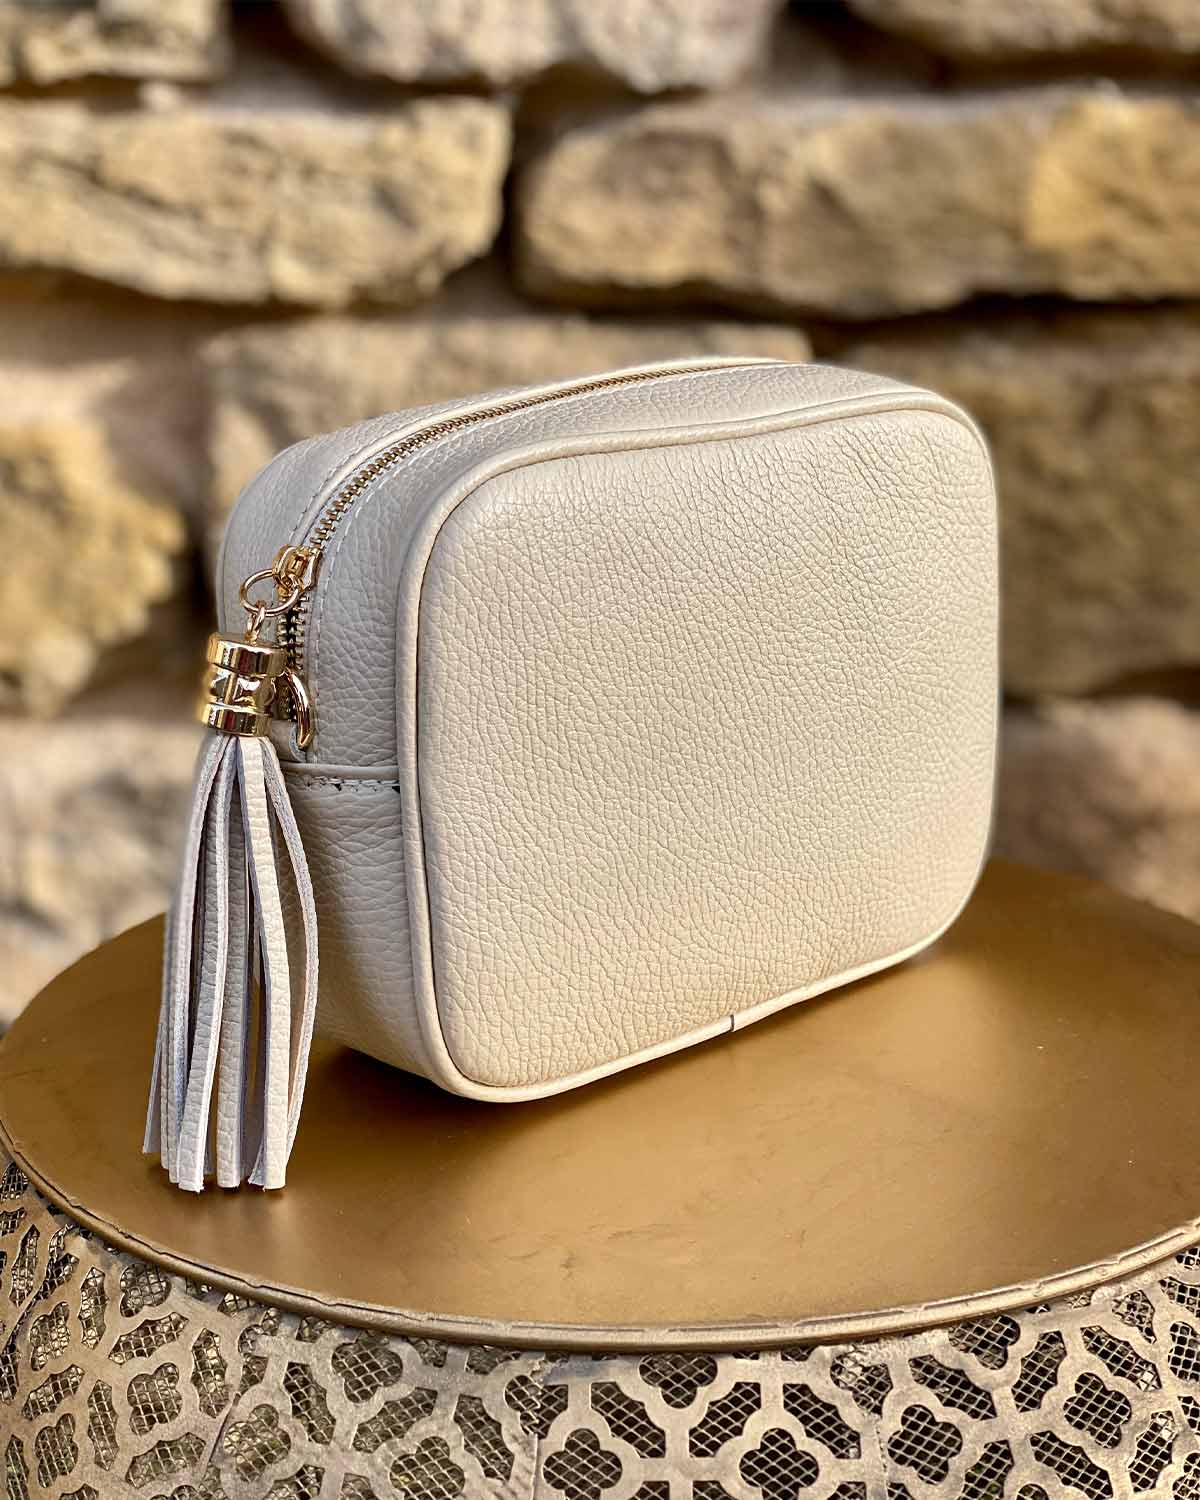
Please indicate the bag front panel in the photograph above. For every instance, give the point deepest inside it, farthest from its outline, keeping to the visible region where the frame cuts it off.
(699, 730)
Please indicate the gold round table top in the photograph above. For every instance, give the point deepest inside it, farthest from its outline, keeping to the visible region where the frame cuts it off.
(1009, 1117)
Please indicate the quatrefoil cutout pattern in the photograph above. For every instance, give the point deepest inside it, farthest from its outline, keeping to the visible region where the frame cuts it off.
(119, 1381)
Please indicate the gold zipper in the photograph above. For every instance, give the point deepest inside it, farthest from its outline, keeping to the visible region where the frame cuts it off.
(295, 567)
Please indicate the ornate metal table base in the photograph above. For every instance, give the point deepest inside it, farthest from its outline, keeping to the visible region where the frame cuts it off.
(118, 1379)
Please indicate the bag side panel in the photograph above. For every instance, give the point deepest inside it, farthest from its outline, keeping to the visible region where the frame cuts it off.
(353, 837)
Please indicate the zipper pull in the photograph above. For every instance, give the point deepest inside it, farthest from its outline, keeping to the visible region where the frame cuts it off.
(249, 682)
(296, 567)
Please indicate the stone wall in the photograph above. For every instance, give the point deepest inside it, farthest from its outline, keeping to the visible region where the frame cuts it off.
(223, 228)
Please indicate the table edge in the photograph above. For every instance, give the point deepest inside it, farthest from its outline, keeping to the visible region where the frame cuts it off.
(710, 1337)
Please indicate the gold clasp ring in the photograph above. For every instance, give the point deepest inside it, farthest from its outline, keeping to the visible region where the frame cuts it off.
(259, 613)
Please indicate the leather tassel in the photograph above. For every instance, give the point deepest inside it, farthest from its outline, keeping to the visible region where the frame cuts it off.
(240, 975)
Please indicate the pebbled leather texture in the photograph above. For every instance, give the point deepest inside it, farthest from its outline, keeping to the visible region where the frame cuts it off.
(352, 636)
(645, 712)
(353, 838)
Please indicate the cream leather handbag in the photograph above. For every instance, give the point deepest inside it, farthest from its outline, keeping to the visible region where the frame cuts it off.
(585, 722)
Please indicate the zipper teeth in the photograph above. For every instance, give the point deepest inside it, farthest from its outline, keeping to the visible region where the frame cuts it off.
(294, 629)
(350, 492)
